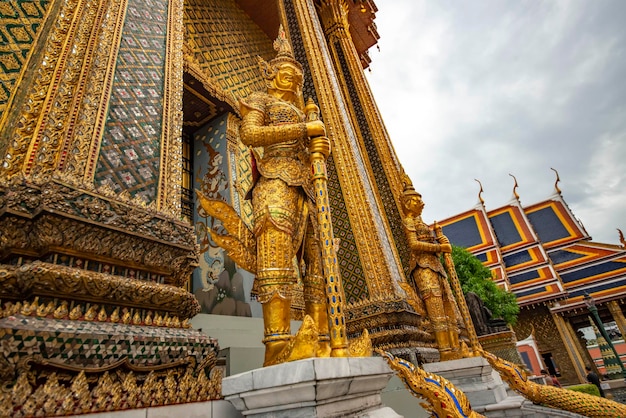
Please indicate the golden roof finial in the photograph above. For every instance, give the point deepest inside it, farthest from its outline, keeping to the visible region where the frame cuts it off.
(556, 183)
(621, 237)
(281, 44)
(480, 192)
(515, 186)
(407, 185)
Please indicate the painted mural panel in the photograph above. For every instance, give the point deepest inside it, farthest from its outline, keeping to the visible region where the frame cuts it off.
(221, 287)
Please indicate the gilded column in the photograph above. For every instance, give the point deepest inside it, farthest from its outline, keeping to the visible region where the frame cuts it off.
(43, 105)
(572, 345)
(377, 252)
(92, 247)
(368, 255)
(618, 315)
(75, 111)
(382, 162)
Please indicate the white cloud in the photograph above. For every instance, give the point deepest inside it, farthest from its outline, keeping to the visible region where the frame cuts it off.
(480, 90)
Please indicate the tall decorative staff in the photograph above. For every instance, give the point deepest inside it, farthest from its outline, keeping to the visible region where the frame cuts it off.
(320, 150)
(458, 290)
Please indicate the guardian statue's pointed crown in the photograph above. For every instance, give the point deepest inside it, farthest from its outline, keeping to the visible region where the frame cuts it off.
(284, 56)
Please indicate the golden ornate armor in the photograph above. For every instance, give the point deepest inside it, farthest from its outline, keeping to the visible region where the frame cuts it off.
(281, 199)
(289, 149)
(429, 276)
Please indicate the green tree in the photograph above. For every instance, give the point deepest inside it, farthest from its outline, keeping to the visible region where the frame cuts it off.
(475, 277)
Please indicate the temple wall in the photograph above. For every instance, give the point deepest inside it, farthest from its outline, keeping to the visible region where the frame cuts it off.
(224, 42)
(130, 151)
(539, 321)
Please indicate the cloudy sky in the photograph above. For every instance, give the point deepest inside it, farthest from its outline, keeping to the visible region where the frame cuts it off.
(486, 88)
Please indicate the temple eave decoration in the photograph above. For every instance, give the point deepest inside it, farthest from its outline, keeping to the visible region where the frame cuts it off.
(363, 30)
(42, 218)
(392, 324)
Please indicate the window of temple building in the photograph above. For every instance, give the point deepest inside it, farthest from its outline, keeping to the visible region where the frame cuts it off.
(187, 179)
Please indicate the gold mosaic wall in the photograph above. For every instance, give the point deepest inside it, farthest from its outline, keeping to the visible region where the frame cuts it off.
(20, 22)
(225, 42)
(548, 339)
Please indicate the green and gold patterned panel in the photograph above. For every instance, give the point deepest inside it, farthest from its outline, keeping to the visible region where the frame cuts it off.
(131, 145)
(20, 21)
(225, 43)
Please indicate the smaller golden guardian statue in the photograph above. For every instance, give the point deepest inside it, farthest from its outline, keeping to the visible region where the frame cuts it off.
(429, 275)
(291, 216)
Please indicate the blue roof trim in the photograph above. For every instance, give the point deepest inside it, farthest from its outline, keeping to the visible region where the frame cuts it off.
(563, 256)
(482, 257)
(505, 229)
(596, 288)
(589, 272)
(548, 225)
(517, 258)
(530, 292)
(464, 233)
(523, 277)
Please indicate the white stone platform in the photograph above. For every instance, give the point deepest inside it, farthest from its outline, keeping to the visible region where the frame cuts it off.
(317, 387)
(487, 392)
(475, 377)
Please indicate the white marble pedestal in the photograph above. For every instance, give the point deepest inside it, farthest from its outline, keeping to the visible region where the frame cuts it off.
(316, 387)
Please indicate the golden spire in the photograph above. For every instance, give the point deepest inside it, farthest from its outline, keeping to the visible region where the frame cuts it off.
(407, 185)
(556, 183)
(284, 56)
(281, 44)
(480, 192)
(515, 186)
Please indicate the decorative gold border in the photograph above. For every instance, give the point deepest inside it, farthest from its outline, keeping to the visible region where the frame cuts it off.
(84, 143)
(192, 67)
(91, 59)
(335, 20)
(380, 263)
(54, 281)
(203, 99)
(40, 35)
(170, 176)
(59, 122)
(35, 108)
(232, 137)
(58, 84)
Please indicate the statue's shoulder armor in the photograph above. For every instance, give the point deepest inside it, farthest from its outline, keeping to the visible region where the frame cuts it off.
(422, 229)
(255, 101)
(409, 223)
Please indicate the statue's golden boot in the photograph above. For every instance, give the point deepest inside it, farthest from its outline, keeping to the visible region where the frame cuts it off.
(455, 345)
(443, 344)
(274, 348)
(303, 345)
(277, 326)
(317, 312)
(453, 337)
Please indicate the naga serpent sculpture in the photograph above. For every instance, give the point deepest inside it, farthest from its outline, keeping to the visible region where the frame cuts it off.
(552, 396)
(443, 399)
